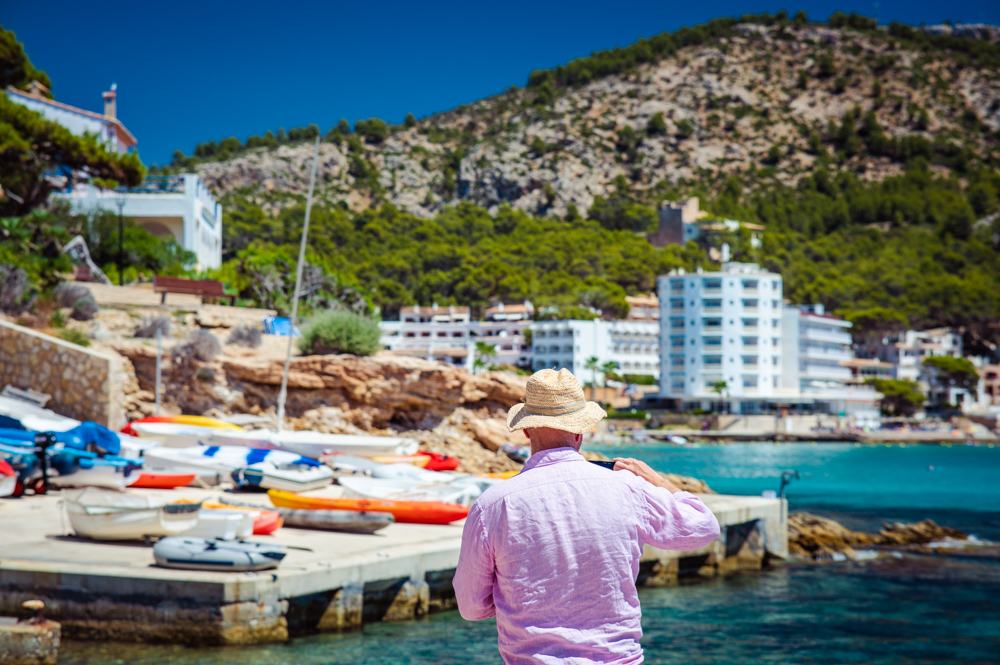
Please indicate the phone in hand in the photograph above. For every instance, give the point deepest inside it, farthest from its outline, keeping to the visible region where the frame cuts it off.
(606, 465)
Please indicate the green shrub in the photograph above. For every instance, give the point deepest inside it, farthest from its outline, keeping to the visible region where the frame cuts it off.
(632, 414)
(640, 379)
(341, 331)
(75, 336)
(656, 125)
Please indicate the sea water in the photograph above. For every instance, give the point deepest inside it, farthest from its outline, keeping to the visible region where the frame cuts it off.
(894, 609)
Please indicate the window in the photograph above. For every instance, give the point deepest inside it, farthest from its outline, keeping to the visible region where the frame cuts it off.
(774, 304)
(775, 323)
(749, 341)
(677, 303)
(750, 361)
(712, 361)
(749, 323)
(409, 334)
(712, 323)
(676, 342)
(714, 303)
(750, 284)
(750, 303)
(749, 380)
(425, 334)
(712, 342)
(540, 333)
(442, 334)
(713, 284)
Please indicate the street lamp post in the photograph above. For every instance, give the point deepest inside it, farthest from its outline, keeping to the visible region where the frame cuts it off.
(120, 195)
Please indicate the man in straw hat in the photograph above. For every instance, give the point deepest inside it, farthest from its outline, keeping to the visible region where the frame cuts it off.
(553, 553)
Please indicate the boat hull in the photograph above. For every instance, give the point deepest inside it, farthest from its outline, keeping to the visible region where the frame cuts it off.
(130, 524)
(163, 480)
(407, 512)
(316, 444)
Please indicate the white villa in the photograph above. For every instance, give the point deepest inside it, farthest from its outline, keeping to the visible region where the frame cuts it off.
(181, 206)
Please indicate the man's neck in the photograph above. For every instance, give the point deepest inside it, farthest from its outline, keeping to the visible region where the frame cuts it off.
(540, 447)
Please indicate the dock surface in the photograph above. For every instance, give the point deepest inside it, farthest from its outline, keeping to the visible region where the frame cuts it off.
(329, 581)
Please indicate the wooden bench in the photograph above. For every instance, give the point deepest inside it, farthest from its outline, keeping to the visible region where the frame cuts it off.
(208, 289)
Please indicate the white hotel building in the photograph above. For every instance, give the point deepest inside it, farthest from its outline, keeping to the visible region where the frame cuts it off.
(633, 345)
(721, 326)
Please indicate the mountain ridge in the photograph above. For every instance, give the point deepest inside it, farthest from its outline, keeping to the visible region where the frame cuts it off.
(768, 97)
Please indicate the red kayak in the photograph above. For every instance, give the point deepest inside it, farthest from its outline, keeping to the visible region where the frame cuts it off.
(163, 480)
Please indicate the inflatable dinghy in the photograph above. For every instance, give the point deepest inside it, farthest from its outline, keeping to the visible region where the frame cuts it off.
(204, 554)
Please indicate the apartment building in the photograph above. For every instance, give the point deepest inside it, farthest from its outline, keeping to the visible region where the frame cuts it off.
(717, 327)
(643, 308)
(503, 326)
(632, 345)
(819, 371)
(908, 349)
(442, 333)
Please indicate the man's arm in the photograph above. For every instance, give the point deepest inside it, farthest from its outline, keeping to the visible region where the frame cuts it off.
(476, 571)
(677, 520)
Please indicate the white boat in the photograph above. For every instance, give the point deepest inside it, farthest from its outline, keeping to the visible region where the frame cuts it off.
(409, 489)
(385, 471)
(315, 444)
(174, 435)
(96, 473)
(223, 524)
(288, 477)
(347, 521)
(104, 515)
(223, 460)
(189, 553)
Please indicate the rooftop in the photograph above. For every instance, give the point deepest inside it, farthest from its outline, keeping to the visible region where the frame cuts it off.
(124, 135)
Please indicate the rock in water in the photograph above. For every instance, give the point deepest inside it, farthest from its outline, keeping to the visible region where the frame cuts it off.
(918, 533)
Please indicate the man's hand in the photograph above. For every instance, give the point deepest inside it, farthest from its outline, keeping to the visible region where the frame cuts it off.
(642, 470)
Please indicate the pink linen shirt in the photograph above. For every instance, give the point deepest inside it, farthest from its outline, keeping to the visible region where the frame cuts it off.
(554, 552)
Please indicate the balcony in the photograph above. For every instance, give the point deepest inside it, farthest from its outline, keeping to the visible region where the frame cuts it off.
(826, 373)
(714, 367)
(831, 336)
(821, 353)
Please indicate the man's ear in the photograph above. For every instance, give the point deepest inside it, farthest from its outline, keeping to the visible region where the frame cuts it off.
(526, 435)
(579, 438)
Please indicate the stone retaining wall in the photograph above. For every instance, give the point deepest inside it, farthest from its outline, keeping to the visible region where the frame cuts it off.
(84, 384)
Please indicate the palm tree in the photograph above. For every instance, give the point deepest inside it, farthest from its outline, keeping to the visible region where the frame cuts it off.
(484, 353)
(718, 388)
(592, 365)
(607, 368)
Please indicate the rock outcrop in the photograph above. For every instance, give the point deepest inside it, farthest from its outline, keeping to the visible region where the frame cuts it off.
(821, 538)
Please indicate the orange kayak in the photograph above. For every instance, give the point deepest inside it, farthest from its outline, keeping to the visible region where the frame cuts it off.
(424, 460)
(407, 512)
(163, 480)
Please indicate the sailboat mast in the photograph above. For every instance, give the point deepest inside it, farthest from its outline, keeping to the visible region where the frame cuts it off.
(283, 393)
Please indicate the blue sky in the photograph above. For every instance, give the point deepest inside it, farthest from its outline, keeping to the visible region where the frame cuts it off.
(190, 72)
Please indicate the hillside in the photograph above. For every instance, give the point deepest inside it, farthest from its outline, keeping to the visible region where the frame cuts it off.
(766, 98)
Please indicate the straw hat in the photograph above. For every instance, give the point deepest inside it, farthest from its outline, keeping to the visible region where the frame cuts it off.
(554, 399)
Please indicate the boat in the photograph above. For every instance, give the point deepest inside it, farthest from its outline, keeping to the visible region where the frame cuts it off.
(405, 512)
(163, 480)
(80, 468)
(347, 521)
(315, 444)
(423, 459)
(189, 553)
(379, 470)
(410, 489)
(175, 435)
(105, 515)
(290, 477)
(201, 421)
(96, 472)
(8, 479)
(209, 461)
(265, 522)
(222, 524)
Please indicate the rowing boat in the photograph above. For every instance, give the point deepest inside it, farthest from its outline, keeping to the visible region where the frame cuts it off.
(406, 512)
(104, 515)
(292, 478)
(200, 421)
(163, 480)
(315, 444)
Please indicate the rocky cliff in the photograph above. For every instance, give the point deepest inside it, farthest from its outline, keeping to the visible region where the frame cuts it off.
(771, 97)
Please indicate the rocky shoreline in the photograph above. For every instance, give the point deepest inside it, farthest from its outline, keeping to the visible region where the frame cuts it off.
(818, 538)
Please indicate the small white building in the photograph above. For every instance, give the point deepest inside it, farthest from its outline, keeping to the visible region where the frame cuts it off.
(180, 206)
(721, 326)
(442, 333)
(632, 345)
(907, 350)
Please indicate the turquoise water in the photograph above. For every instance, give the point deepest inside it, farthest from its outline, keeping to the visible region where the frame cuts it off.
(912, 609)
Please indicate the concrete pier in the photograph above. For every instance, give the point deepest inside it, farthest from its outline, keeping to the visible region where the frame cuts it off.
(28, 643)
(336, 581)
